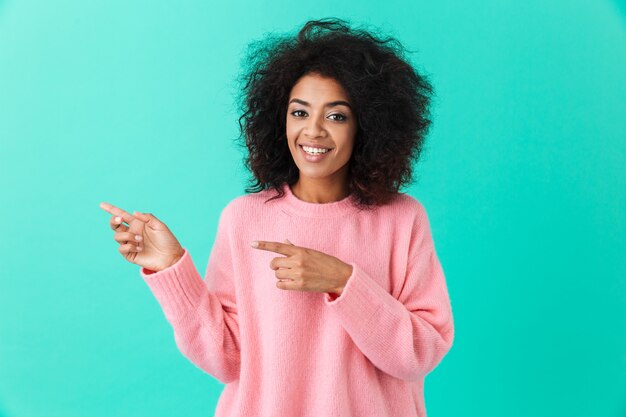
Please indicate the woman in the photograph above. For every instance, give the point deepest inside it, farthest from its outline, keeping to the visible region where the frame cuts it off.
(323, 294)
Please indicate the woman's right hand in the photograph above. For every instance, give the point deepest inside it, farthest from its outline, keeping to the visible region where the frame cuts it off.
(158, 248)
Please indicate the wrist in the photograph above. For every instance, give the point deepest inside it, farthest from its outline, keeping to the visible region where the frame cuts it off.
(346, 276)
(177, 257)
(174, 259)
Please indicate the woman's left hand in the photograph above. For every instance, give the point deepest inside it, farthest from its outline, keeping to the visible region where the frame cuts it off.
(307, 269)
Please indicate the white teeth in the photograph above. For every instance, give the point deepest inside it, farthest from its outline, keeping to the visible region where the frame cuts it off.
(314, 151)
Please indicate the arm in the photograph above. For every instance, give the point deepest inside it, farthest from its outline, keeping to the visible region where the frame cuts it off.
(203, 314)
(405, 337)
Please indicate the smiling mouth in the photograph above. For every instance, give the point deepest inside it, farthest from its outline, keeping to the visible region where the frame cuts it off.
(327, 149)
(314, 157)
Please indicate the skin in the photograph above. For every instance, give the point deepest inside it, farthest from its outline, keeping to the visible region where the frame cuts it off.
(309, 119)
(306, 269)
(144, 240)
(330, 126)
(301, 269)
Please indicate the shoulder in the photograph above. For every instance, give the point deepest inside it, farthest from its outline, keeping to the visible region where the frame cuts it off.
(417, 221)
(245, 206)
(413, 217)
(407, 216)
(409, 202)
(407, 207)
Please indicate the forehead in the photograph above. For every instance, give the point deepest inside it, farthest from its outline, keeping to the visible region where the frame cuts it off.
(310, 86)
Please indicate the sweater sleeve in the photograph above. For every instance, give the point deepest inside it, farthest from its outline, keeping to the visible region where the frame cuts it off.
(405, 337)
(203, 314)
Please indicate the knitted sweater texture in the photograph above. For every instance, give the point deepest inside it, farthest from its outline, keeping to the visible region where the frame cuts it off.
(289, 353)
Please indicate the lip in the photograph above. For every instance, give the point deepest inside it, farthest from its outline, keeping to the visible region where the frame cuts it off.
(313, 145)
(313, 158)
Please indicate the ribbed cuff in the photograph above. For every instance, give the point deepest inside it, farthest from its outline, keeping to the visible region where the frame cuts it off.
(177, 288)
(359, 301)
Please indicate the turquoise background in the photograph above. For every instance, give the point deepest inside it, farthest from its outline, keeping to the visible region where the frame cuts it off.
(133, 103)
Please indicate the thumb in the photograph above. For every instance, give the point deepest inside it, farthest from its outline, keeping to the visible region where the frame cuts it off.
(143, 216)
(151, 221)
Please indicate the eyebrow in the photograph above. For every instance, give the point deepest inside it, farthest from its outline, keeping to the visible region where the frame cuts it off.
(330, 104)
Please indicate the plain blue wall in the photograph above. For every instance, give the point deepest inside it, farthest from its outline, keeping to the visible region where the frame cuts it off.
(133, 103)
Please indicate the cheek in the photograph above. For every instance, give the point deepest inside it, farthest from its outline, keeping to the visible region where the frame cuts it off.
(291, 131)
(347, 140)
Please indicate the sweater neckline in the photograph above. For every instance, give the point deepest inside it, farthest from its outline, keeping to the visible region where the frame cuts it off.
(307, 209)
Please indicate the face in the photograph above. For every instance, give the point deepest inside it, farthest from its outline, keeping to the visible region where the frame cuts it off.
(319, 116)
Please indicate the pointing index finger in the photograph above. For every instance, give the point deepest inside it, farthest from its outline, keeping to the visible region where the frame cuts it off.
(282, 248)
(127, 217)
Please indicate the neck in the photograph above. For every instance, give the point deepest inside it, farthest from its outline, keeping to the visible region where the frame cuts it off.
(320, 191)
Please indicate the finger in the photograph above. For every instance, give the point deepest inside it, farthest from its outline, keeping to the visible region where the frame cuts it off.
(126, 217)
(283, 274)
(116, 224)
(141, 216)
(284, 284)
(150, 220)
(277, 263)
(288, 242)
(277, 247)
(129, 247)
(125, 237)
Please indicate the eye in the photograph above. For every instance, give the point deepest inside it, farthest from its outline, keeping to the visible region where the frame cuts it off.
(297, 111)
(342, 117)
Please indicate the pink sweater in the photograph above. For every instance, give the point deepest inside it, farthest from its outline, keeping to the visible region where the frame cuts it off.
(289, 353)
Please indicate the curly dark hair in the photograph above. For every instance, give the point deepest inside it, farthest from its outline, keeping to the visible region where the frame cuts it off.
(390, 100)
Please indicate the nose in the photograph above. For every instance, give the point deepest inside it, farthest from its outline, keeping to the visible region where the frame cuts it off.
(314, 128)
